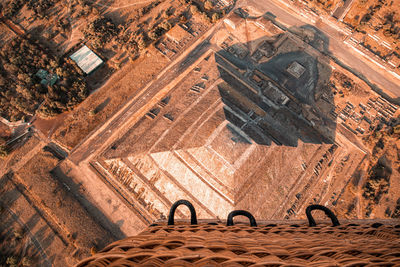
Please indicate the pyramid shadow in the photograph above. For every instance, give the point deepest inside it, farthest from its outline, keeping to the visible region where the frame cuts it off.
(276, 89)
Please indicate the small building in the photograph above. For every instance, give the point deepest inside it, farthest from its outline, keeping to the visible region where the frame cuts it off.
(86, 59)
(295, 69)
(177, 34)
(46, 78)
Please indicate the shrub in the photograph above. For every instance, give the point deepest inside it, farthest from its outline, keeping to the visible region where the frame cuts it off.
(3, 151)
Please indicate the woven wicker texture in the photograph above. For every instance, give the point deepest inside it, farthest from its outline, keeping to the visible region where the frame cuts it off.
(348, 244)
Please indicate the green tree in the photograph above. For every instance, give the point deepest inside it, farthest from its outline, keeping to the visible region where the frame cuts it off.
(12, 261)
(26, 261)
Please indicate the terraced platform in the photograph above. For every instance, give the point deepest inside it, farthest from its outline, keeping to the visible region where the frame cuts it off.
(225, 140)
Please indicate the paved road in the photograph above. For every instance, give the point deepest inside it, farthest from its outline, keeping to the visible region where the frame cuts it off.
(341, 51)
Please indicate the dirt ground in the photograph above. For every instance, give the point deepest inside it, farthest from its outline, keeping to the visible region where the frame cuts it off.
(25, 237)
(354, 205)
(62, 211)
(328, 6)
(109, 98)
(47, 126)
(5, 131)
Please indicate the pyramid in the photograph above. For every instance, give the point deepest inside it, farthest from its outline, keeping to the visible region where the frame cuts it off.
(228, 136)
(193, 149)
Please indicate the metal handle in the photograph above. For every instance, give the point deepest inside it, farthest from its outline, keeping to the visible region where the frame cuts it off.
(229, 221)
(327, 211)
(193, 217)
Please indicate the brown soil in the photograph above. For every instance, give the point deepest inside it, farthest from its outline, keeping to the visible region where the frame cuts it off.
(25, 237)
(122, 85)
(26, 145)
(326, 5)
(354, 204)
(362, 7)
(61, 208)
(5, 131)
(47, 126)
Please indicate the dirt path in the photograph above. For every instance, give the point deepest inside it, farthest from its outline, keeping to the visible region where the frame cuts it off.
(119, 7)
(19, 164)
(32, 237)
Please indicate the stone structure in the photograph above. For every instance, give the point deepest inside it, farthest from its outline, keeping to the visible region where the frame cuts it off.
(234, 131)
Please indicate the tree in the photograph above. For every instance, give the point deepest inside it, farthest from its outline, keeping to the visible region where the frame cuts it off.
(13, 7)
(3, 151)
(215, 17)
(95, 11)
(60, 72)
(101, 31)
(12, 261)
(23, 77)
(26, 261)
(87, 10)
(194, 10)
(182, 18)
(208, 5)
(133, 50)
(24, 90)
(205, 17)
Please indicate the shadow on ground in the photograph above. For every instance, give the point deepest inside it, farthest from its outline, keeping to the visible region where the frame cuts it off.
(276, 89)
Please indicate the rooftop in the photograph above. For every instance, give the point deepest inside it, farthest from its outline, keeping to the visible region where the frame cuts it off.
(86, 59)
(177, 33)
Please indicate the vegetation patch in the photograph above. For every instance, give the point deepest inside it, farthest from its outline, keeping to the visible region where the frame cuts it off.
(32, 80)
